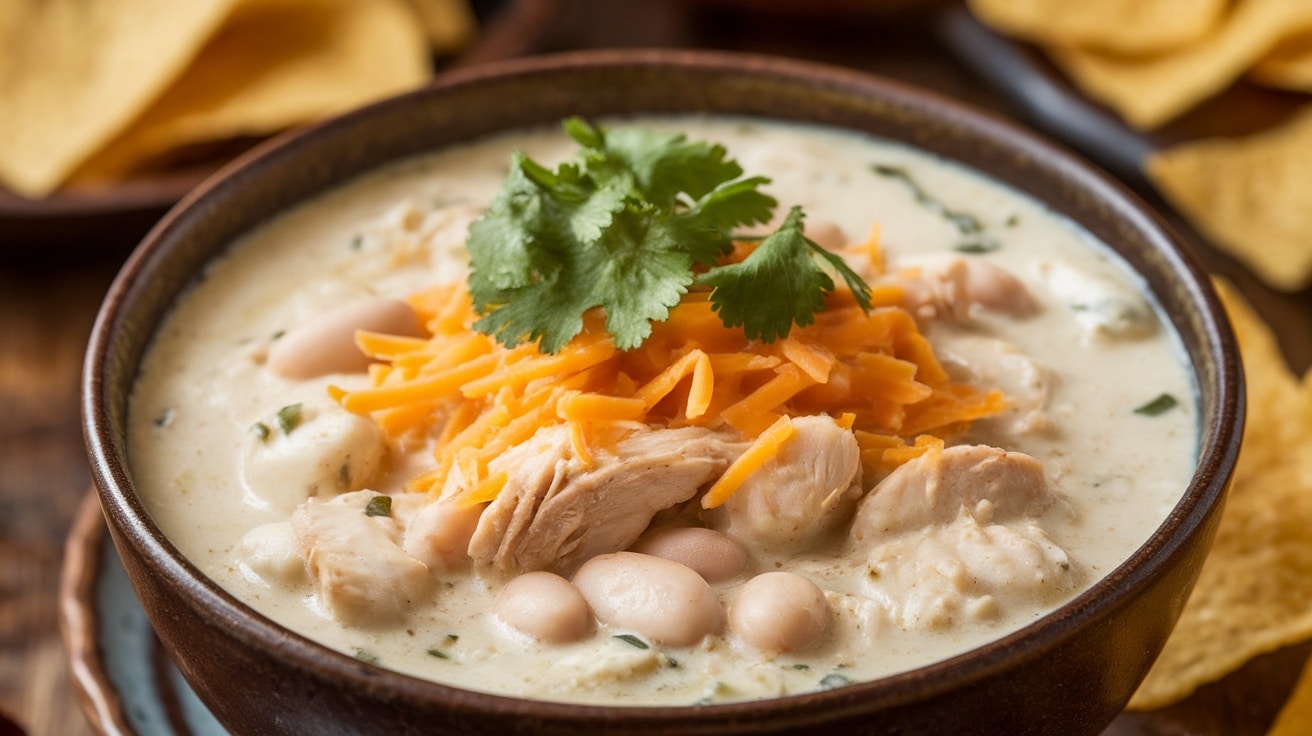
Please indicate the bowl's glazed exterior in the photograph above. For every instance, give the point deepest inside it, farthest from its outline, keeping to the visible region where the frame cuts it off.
(1070, 672)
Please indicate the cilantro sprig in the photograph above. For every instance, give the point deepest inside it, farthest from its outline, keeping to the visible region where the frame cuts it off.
(630, 224)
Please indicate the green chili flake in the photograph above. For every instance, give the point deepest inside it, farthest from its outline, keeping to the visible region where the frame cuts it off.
(719, 689)
(452, 638)
(1013, 221)
(1164, 402)
(379, 506)
(261, 431)
(966, 223)
(357, 240)
(801, 667)
(834, 680)
(289, 418)
(278, 335)
(364, 655)
(632, 640)
(977, 247)
(435, 652)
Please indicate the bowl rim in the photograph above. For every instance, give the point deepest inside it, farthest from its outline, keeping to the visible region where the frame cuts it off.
(1217, 448)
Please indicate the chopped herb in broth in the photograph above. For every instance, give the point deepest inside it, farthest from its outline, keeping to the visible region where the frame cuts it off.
(633, 641)
(833, 680)
(379, 506)
(1159, 405)
(970, 226)
(289, 418)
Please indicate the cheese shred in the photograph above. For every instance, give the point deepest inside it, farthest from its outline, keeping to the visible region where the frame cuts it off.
(874, 372)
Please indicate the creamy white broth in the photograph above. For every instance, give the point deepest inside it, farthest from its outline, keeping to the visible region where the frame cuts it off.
(203, 386)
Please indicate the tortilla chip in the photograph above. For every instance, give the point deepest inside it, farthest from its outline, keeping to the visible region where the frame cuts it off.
(1148, 91)
(1295, 718)
(1254, 593)
(1249, 196)
(450, 24)
(1116, 26)
(1288, 66)
(275, 64)
(75, 74)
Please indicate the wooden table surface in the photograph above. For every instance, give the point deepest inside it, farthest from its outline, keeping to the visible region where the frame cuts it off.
(49, 293)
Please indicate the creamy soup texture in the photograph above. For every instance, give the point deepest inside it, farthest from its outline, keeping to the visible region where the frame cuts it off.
(806, 578)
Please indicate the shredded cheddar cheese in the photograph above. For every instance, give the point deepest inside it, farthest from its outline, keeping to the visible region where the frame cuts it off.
(749, 462)
(875, 373)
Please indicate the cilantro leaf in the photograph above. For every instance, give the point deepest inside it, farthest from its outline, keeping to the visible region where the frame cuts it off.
(859, 288)
(734, 204)
(624, 226)
(513, 254)
(665, 165)
(778, 285)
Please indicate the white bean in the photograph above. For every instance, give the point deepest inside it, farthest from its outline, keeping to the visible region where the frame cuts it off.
(712, 554)
(955, 287)
(779, 612)
(544, 606)
(326, 343)
(656, 598)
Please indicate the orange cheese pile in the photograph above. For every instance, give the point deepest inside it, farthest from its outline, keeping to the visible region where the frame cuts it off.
(875, 373)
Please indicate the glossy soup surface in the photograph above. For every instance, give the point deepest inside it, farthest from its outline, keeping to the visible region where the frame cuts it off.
(1074, 365)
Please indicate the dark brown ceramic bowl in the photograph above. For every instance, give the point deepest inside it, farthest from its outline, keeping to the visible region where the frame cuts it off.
(1070, 672)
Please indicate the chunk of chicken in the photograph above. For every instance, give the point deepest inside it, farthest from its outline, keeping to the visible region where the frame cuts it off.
(798, 496)
(1104, 306)
(555, 513)
(955, 287)
(966, 570)
(987, 361)
(315, 448)
(989, 483)
(534, 469)
(269, 553)
(438, 535)
(355, 561)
